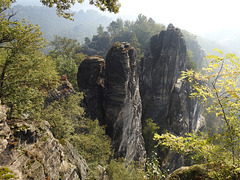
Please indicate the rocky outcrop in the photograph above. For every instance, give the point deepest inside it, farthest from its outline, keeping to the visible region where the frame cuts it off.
(162, 64)
(112, 95)
(62, 91)
(112, 91)
(165, 97)
(123, 106)
(30, 151)
(184, 113)
(91, 82)
(196, 172)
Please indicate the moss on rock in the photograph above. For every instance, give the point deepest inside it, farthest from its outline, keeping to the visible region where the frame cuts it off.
(195, 172)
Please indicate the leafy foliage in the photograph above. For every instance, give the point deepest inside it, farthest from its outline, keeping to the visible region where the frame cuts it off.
(153, 170)
(190, 63)
(67, 58)
(218, 83)
(64, 5)
(25, 73)
(149, 129)
(5, 173)
(119, 170)
(67, 121)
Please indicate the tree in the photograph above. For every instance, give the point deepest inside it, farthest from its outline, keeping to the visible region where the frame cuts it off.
(67, 121)
(64, 47)
(67, 58)
(119, 170)
(87, 41)
(64, 5)
(144, 29)
(100, 30)
(149, 129)
(219, 85)
(116, 27)
(190, 63)
(26, 74)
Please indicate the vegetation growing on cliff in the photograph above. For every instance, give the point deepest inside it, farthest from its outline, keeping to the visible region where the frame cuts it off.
(218, 84)
(25, 72)
(26, 75)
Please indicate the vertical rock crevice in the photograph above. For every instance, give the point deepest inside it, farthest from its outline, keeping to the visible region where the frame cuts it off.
(112, 95)
(127, 91)
(123, 105)
(165, 97)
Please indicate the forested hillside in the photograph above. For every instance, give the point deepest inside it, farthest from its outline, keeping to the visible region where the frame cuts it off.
(113, 99)
(84, 25)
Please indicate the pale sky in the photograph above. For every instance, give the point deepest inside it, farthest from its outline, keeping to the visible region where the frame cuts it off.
(195, 16)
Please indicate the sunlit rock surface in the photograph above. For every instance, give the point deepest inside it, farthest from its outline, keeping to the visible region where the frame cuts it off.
(30, 151)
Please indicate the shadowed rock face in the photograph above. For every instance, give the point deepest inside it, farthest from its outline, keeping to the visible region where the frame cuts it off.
(112, 95)
(123, 106)
(91, 82)
(162, 64)
(64, 89)
(165, 98)
(113, 89)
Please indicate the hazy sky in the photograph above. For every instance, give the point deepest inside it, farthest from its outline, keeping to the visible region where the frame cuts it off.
(195, 16)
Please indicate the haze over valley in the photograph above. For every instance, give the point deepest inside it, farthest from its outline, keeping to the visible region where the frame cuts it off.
(202, 18)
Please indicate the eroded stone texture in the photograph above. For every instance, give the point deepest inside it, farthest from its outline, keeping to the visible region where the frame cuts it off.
(64, 89)
(165, 97)
(91, 82)
(184, 112)
(112, 95)
(161, 67)
(31, 152)
(123, 106)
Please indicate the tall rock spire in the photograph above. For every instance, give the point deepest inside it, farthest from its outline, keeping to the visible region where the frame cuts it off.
(123, 107)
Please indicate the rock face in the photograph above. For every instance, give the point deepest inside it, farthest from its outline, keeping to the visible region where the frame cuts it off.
(161, 67)
(166, 99)
(184, 113)
(114, 98)
(123, 106)
(64, 89)
(30, 151)
(112, 92)
(91, 82)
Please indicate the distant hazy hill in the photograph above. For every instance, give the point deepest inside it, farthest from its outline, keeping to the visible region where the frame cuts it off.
(229, 37)
(85, 23)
